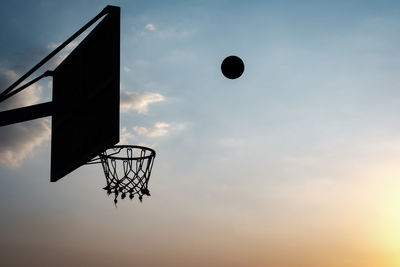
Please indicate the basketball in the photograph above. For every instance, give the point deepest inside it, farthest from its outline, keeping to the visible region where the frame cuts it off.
(232, 67)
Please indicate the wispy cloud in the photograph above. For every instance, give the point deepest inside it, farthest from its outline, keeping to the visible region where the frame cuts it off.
(126, 137)
(63, 53)
(162, 32)
(18, 141)
(150, 27)
(159, 129)
(28, 97)
(174, 33)
(139, 101)
(69, 47)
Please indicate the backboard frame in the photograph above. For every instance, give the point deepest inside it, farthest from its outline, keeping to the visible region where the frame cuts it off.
(71, 144)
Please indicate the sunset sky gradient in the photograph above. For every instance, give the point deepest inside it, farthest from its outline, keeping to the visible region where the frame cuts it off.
(296, 163)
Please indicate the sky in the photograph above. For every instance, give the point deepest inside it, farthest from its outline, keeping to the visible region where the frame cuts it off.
(295, 163)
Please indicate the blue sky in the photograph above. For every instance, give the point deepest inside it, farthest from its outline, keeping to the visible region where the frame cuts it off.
(293, 164)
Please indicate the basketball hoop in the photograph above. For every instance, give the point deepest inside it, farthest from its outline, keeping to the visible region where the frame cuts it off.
(85, 121)
(127, 169)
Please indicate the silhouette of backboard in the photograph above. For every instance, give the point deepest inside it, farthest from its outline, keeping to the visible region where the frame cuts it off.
(86, 98)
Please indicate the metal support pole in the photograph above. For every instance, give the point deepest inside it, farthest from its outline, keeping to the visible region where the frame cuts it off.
(3, 95)
(26, 113)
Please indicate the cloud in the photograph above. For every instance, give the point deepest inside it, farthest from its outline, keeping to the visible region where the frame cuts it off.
(24, 60)
(139, 101)
(176, 33)
(10, 75)
(18, 141)
(126, 69)
(159, 129)
(69, 47)
(150, 27)
(29, 96)
(63, 54)
(59, 59)
(126, 137)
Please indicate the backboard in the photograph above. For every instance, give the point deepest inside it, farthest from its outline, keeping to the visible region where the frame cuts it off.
(86, 98)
